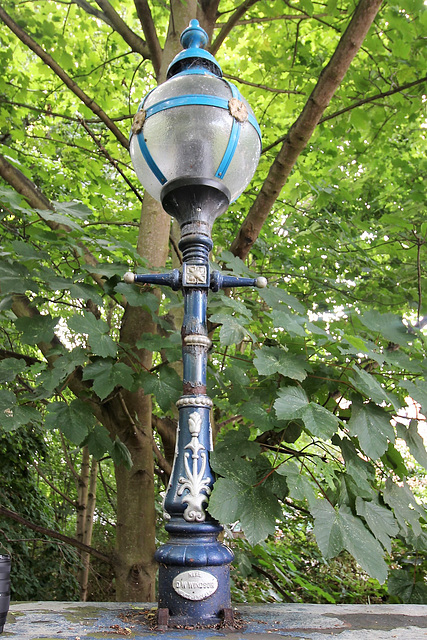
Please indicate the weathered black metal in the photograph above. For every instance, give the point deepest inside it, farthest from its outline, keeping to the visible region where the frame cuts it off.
(5, 563)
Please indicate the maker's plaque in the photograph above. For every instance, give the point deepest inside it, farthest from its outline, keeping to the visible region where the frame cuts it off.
(195, 584)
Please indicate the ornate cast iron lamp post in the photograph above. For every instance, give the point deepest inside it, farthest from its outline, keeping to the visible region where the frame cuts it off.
(195, 145)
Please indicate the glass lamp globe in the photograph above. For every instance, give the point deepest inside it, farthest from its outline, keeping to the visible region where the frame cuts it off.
(195, 129)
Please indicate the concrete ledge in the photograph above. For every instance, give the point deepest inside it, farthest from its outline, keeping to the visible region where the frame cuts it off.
(113, 621)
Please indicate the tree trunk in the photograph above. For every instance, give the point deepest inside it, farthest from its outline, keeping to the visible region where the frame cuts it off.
(130, 414)
(87, 536)
(82, 492)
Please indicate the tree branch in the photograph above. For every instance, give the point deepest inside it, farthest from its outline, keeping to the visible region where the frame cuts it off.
(54, 114)
(360, 103)
(231, 22)
(52, 486)
(150, 33)
(7, 513)
(136, 43)
(4, 353)
(68, 460)
(302, 129)
(161, 460)
(25, 187)
(37, 200)
(274, 582)
(93, 12)
(263, 86)
(110, 159)
(67, 80)
(288, 16)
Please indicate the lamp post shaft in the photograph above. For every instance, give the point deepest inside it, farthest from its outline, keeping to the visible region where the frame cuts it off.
(194, 568)
(195, 144)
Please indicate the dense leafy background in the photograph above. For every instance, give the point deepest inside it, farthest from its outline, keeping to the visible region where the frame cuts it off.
(307, 377)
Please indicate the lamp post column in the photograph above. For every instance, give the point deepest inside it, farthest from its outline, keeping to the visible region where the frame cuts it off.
(195, 144)
(194, 566)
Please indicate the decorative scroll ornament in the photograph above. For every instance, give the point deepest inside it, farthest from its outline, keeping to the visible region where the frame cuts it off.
(198, 486)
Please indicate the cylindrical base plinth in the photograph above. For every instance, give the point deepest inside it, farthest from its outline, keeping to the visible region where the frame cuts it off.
(194, 574)
(181, 588)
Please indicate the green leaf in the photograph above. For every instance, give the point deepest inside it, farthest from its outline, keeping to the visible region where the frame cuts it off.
(13, 415)
(232, 330)
(138, 298)
(299, 485)
(153, 342)
(74, 419)
(97, 333)
(74, 209)
(418, 391)
(291, 323)
(361, 471)
(372, 426)
(319, 421)
(10, 367)
(25, 415)
(224, 502)
(227, 457)
(404, 505)
(393, 460)
(409, 587)
(83, 291)
(293, 404)
(107, 375)
(414, 441)
(307, 5)
(51, 216)
(290, 402)
(15, 280)
(258, 514)
(37, 329)
(254, 412)
(120, 454)
(255, 507)
(270, 360)
(275, 296)
(338, 530)
(99, 442)
(380, 521)
(388, 325)
(362, 545)
(367, 384)
(327, 529)
(165, 385)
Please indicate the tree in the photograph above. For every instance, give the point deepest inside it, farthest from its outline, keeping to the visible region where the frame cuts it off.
(317, 369)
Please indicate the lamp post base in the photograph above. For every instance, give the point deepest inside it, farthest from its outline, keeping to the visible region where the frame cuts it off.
(194, 575)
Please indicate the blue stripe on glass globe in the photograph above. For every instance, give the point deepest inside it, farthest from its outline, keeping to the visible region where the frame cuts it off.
(196, 99)
(150, 160)
(232, 141)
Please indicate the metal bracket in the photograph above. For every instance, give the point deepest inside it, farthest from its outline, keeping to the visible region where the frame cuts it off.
(172, 279)
(220, 281)
(162, 619)
(194, 276)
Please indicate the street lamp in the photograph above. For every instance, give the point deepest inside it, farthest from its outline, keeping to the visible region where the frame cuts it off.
(195, 145)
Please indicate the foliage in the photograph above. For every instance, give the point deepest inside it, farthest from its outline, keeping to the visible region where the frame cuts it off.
(308, 376)
(32, 553)
(290, 568)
